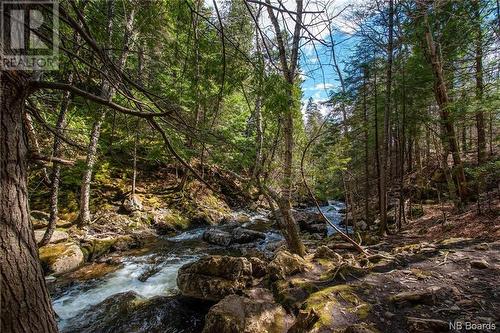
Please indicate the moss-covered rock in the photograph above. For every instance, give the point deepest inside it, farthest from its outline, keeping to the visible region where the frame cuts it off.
(285, 264)
(337, 307)
(254, 314)
(169, 220)
(61, 258)
(214, 277)
(97, 247)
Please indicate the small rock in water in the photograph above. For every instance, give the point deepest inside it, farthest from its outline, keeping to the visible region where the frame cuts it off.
(479, 264)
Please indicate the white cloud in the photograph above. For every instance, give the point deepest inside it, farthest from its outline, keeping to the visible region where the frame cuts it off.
(324, 86)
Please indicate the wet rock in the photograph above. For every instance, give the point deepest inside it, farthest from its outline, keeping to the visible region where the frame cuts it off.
(241, 218)
(285, 264)
(129, 312)
(61, 258)
(242, 235)
(57, 236)
(132, 203)
(310, 221)
(214, 277)
(479, 264)
(253, 314)
(217, 237)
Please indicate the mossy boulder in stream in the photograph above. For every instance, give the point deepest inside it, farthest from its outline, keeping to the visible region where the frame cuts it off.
(61, 258)
(255, 313)
(214, 277)
(129, 312)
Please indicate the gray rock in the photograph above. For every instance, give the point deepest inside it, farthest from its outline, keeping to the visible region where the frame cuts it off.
(217, 237)
(242, 235)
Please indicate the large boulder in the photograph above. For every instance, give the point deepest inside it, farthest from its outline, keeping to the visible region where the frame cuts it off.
(214, 277)
(305, 216)
(61, 258)
(311, 222)
(242, 235)
(285, 264)
(57, 237)
(129, 312)
(230, 234)
(217, 237)
(254, 313)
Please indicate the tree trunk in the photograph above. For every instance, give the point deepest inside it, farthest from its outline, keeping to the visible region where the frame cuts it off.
(107, 92)
(367, 172)
(378, 159)
(55, 177)
(25, 302)
(288, 69)
(443, 101)
(385, 134)
(481, 134)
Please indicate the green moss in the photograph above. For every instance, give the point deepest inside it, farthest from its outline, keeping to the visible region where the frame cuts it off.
(331, 301)
(98, 247)
(176, 220)
(50, 253)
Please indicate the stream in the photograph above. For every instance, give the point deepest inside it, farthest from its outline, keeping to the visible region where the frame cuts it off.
(154, 272)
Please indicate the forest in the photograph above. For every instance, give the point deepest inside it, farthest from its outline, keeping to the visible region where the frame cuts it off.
(225, 166)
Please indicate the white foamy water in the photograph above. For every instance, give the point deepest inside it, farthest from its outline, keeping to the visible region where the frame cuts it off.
(188, 235)
(163, 282)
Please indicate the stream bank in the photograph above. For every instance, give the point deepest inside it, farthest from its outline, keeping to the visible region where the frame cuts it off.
(135, 279)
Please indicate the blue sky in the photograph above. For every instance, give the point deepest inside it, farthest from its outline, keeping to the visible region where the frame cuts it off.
(318, 83)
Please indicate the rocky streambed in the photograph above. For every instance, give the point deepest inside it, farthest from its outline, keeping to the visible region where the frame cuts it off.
(139, 292)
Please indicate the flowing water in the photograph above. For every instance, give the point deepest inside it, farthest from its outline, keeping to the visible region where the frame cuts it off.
(154, 273)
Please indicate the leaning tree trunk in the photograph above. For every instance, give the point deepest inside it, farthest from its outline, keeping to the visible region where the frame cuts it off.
(443, 101)
(25, 303)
